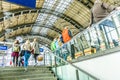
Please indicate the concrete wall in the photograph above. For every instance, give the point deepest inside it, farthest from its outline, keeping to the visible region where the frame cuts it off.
(105, 67)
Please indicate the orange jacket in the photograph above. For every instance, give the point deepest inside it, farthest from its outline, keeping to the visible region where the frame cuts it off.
(65, 35)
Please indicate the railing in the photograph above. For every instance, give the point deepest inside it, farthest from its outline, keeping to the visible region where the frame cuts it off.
(99, 37)
(68, 71)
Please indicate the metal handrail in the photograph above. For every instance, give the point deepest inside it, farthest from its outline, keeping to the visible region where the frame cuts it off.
(75, 66)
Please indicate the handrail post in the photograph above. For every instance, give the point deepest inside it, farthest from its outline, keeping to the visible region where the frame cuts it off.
(77, 75)
(50, 59)
(44, 58)
(55, 66)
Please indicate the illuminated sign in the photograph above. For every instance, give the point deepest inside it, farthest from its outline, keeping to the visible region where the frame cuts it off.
(41, 49)
(3, 47)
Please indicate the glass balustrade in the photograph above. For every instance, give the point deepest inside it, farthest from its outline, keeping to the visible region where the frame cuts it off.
(66, 71)
(99, 37)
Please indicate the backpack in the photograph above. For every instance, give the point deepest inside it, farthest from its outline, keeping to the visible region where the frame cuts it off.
(61, 39)
(70, 34)
(22, 53)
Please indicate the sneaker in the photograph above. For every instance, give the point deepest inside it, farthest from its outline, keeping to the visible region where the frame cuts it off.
(35, 64)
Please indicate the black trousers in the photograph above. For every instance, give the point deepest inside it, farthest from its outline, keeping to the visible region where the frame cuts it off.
(15, 60)
(35, 57)
(72, 51)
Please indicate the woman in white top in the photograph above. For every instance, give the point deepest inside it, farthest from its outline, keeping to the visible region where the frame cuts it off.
(36, 52)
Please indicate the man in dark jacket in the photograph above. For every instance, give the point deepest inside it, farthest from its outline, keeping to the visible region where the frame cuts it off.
(100, 10)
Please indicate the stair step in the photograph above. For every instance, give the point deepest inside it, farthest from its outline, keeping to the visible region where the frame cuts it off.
(34, 78)
(29, 67)
(40, 78)
(24, 73)
(17, 77)
(33, 73)
(22, 69)
(36, 71)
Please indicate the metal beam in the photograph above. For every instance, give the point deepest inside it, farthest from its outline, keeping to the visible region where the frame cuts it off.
(52, 12)
(40, 41)
(52, 28)
(45, 36)
(32, 24)
(86, 4)
(61, 15)
(37, 34)
(49, 38)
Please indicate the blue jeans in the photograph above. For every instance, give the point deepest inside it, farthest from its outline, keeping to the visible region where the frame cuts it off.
(58, 54)
(26, 57)
(64, 55)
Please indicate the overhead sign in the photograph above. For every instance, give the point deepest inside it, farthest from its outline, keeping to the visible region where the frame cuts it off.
(3, 47)
(41, 49)
(27, 3)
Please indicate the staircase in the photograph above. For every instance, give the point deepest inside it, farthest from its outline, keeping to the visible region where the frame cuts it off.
(33, 73)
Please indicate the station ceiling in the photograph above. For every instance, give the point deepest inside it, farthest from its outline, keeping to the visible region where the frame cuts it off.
(46, 21)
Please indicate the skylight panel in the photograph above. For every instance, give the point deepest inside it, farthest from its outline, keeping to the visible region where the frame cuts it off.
(51, 21)
(63, 5)
(48, 4)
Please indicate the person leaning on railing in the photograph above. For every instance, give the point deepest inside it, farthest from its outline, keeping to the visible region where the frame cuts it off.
(100, 10)
(64, 51)
(35, 49)
(58, 45)
(53, 46)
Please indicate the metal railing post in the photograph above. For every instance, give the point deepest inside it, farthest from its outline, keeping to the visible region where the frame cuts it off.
(77, 75)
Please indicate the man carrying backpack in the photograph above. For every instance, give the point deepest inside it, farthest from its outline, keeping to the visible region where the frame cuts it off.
(66, 34)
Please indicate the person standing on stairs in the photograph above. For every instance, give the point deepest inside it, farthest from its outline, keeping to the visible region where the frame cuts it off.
(35, 48)
(15, 52)
(53, 46)
(27, 48)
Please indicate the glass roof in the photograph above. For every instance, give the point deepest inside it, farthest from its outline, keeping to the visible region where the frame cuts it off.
(51, 21)
(48, 20)
(41, 18)
(62, 6)
(48, 4)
